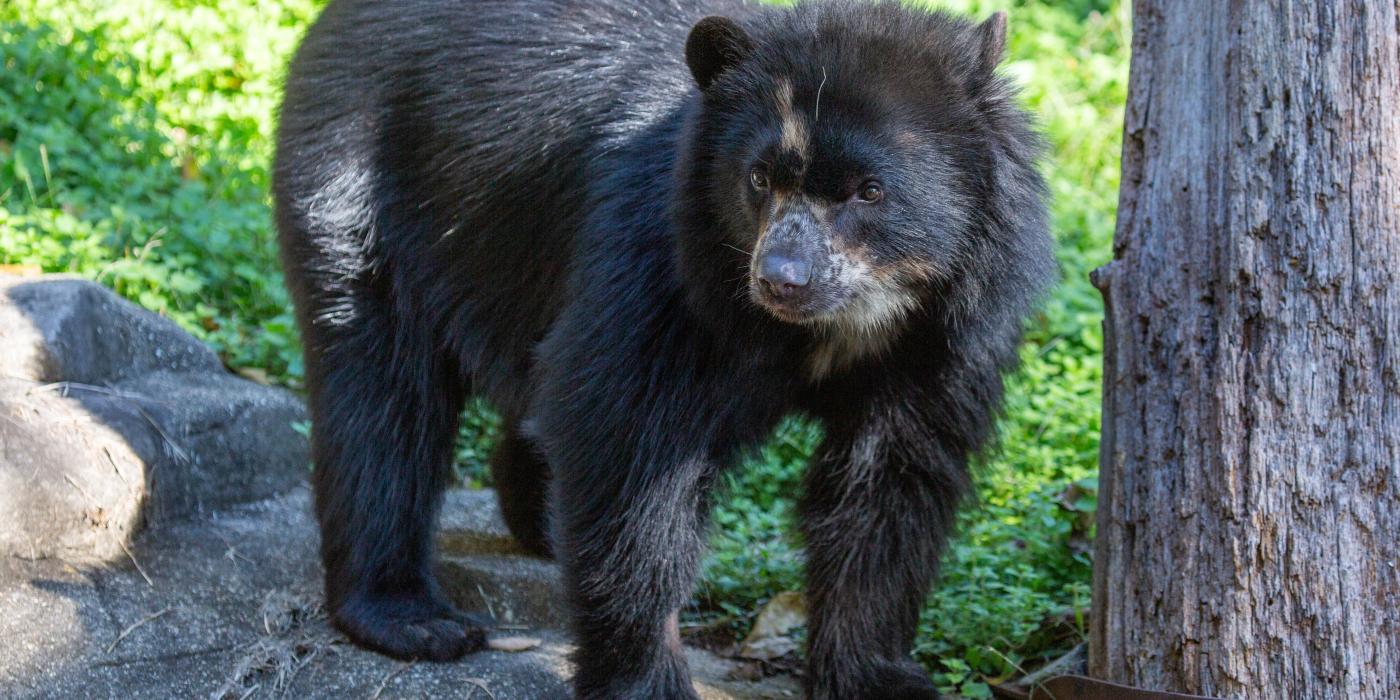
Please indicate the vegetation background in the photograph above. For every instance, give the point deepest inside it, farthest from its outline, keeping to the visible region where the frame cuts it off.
(135, 141)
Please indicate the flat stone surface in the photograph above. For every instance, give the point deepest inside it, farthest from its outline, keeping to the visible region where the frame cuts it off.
(232, 605)
(471, 524)
(111, 417)
(482, 568)
(515, 590)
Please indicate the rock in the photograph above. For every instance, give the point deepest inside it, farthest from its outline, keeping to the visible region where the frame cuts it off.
(482, 568)
(471, 524)
(70, 485)
(233, 606)
(771, 637)
(111, 416)
(56, 328)
(516, 590)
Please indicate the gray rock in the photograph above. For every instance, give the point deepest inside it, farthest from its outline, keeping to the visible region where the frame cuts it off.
(233, 606)
(70, 484)
(513, 589)
(56, 328)
(111, 416)
(482, 568)
(471, 524)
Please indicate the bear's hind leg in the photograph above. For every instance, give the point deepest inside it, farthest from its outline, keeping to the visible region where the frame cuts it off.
(385, 405)
(522, 488)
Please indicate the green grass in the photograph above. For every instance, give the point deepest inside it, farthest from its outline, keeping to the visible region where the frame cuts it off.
(135, 140)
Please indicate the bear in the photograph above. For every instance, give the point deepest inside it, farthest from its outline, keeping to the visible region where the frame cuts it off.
(646, 231)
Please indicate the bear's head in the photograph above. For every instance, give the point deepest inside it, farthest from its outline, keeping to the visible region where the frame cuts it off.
(858, 161)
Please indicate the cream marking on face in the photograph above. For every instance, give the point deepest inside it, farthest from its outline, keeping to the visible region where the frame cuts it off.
(864, 327)
(793, 136)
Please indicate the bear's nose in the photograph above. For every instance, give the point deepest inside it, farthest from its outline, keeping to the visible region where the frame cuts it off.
(783, 276)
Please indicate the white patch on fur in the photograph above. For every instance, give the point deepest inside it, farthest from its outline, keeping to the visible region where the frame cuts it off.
(343, 201)
(339, 216)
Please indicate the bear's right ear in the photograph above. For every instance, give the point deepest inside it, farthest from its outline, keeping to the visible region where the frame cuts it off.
(991, 41)
(715, 45)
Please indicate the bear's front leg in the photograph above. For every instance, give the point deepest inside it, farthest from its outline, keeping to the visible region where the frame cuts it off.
(628, 534)
(635, 411)
(879, 502)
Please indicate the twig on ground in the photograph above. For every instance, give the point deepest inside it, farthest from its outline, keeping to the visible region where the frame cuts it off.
(139, 569)
(478, 683)
(384, 682)
(115, 468)
(487, 601)
(91, 501)
(133, 627)
(171, 445)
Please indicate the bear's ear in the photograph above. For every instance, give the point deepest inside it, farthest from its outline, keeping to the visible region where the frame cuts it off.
(715, 45)
(991, 41)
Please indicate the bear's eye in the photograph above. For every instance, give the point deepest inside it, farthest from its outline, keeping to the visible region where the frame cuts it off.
(758, 179)
(870, 192)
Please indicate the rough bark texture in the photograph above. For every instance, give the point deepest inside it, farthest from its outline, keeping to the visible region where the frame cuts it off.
(1249, 524)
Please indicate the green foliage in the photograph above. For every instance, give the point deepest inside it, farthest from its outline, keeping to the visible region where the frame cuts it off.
(135, 141)
(136, 138)
(475, 437)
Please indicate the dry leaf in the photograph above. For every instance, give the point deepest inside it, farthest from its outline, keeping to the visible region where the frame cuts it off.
(189, 168)
(255, 374)
(21, 270)
(512, 643)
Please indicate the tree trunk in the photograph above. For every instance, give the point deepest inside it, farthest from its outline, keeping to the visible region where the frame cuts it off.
(1249, 521)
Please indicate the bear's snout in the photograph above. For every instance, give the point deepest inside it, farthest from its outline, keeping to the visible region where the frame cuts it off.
(782, 276)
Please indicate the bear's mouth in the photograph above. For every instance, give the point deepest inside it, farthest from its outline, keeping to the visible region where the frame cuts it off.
(872, 307)
(786, 316)
(811, 306)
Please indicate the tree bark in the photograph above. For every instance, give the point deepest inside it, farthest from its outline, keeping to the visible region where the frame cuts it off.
(1249, 521)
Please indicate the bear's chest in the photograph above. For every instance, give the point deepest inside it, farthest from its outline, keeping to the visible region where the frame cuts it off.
(839, 349)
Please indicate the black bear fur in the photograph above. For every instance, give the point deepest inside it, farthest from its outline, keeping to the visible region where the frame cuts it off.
(645, 245)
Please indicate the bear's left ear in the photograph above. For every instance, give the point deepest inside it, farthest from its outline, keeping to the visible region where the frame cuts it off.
(991, 39)
(715, 45)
